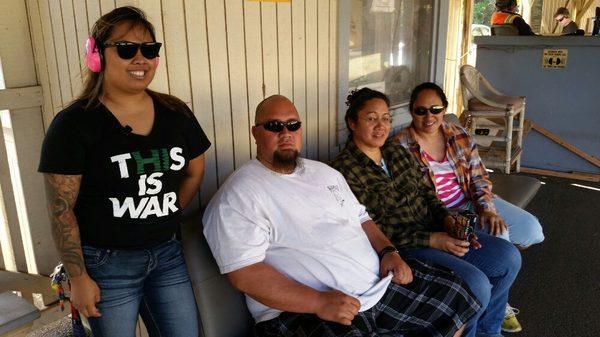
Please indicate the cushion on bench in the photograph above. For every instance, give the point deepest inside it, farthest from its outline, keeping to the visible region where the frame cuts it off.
(516, 189)
(222, 309)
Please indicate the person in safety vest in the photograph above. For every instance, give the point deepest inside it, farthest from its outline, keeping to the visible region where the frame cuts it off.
(505, 14)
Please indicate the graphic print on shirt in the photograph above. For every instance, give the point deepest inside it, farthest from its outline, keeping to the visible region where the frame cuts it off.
(335, 190)
(148, 171)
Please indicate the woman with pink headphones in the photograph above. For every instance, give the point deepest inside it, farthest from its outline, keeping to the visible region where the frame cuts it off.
(120, 164)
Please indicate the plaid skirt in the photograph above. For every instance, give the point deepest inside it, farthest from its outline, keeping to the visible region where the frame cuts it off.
(435, 303)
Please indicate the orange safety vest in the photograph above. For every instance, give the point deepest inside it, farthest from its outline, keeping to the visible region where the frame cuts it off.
(503, 18)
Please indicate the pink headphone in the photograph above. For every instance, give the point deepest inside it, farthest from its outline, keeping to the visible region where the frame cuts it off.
(93, 57)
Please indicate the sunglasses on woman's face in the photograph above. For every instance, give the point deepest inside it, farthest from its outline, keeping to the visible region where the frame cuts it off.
(127, 50)
(277, 125)
(434, 109)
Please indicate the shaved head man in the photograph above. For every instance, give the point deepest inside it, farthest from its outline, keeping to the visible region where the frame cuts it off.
(277, 131)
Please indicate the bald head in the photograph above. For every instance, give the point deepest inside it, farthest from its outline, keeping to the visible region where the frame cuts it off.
(263, 108)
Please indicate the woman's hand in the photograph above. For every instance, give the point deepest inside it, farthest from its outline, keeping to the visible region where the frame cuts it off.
(494, 223)
(455, 226)
(84, 295)
(394, 263)
(443, 241)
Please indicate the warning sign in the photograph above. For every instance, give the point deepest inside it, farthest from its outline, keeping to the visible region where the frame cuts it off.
(554, 58)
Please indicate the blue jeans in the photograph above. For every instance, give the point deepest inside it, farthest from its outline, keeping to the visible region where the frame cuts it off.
(153, 283)
(524, 229)
(489, 271)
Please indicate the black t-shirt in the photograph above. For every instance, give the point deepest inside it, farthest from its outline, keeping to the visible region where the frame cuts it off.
(129, 184)
(570, 28)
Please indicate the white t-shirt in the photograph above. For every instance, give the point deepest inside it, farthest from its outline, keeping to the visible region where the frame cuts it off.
(306, 224)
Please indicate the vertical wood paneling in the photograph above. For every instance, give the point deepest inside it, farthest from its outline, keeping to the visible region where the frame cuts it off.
(93, 12)
(195, 18)
(23, 132)
(51, 57)
(312, 90)
(175, 45)
(217, 44)
(284, 47)
(269, 48)
(36, 31)
(60, 49)
(333, 89)
(121, 3)
(106, 6)
(254, 61)
(299, 64)
(237, 73)
(153, 10)
(81, 30)
(72, 47)
(323, 78)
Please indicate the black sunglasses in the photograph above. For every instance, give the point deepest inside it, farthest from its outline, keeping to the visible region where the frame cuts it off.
(422, 111)
(127, 50)
(277, 126)
(560, 20)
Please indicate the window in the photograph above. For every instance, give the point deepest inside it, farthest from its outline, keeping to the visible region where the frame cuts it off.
(390, 44)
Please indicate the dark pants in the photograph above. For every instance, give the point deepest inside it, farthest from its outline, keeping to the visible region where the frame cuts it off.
(435, 303)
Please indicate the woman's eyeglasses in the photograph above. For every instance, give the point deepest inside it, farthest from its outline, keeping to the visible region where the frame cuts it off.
(127, 50)
(560, 20)
(277, 125)
(422, 111)
(372, 120)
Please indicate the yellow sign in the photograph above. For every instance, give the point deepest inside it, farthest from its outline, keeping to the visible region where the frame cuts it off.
(554, 58)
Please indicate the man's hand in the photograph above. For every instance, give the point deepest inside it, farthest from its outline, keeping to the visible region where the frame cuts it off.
(84, 295)
(335, 306)
(443, 241)
(494, 223)
(394, 263)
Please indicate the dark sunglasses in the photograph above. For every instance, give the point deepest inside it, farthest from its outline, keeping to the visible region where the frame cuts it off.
(127, 50)
(560, 20)
(422, 111)
(277, 126)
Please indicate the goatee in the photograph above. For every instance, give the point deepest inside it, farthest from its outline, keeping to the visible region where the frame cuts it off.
(285, 160)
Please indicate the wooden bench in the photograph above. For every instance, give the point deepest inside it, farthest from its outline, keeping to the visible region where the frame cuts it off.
(16, 315)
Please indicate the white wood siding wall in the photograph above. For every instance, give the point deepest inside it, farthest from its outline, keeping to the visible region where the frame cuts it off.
(221, 57)
(24, 227)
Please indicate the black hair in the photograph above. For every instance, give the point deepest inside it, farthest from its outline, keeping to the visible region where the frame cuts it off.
(356, 100)
(427, 86)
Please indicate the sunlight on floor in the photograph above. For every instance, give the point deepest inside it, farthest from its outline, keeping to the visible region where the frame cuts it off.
(586, 187)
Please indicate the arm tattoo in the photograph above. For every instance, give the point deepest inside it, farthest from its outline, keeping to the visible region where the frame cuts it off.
(61, 192)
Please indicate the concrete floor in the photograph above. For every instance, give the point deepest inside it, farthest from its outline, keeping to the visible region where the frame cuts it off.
(558, 288)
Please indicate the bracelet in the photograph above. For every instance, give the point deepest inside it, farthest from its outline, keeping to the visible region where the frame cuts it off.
(388, 249)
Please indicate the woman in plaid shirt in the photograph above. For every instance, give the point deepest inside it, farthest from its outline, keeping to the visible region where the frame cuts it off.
(387, 180)
(433, 142)
(448, 157)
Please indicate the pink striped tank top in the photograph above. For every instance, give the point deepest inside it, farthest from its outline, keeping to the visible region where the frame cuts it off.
(446, 184)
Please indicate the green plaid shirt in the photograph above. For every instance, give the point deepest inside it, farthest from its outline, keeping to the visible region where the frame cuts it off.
(406, 209)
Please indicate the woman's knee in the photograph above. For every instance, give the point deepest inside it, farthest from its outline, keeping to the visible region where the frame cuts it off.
(510, 257)
(480, 286)
(532, 231)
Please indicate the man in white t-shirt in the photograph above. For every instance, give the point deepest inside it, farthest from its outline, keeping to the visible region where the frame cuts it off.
(290, 234)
